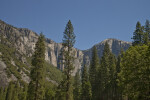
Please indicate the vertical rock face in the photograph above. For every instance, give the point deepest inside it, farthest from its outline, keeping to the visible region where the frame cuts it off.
(24, 41)
(114, 45)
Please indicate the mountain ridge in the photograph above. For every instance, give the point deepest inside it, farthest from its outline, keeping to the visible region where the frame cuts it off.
(24, 40)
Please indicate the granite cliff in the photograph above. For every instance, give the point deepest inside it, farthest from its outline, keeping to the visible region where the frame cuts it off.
(23, 40)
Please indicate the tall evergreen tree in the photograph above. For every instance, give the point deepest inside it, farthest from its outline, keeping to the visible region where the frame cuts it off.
(107, 74)
(68, 58)
(146, 37)
(138, 34)
(104, 71)
(86, 85)
(118, 89)
(93, 72)
(36, 85)
(77, 87)
(147, 27)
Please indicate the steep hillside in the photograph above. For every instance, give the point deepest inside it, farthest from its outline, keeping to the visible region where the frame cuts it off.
(24, 41)
(16, 48)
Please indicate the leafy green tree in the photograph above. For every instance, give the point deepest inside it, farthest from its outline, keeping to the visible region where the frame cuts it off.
(86, 85)
(36, 85)
(68, 58)
(93, 72)
(135, 72)
(138, 34)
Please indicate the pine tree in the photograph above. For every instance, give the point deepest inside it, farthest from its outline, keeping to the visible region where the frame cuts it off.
(147, 28)
(138, 34)
(10, 90)
(68, 58)
(112, 78)
(77, 87)
(146, 37)
(118, 89)
(61, 91)
(23, 93)
(107, 74)
(86, 86)
(36, 85)
(4, 93)
(93, 72)
(16, 91)
(104, 63)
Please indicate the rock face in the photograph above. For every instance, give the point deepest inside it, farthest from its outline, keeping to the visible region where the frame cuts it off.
(114, 44)
(24, 41)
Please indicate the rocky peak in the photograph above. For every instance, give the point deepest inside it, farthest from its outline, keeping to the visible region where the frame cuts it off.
(115, 46)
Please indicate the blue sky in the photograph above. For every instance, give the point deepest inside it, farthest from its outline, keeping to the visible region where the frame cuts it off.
(93, 20)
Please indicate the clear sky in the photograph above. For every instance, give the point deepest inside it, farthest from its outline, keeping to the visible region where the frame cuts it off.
(93, 20)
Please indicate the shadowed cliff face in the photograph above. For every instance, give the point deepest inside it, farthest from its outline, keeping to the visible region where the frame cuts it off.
(24, 41)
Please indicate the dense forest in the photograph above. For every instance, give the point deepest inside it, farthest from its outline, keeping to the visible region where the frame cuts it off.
(122, 77)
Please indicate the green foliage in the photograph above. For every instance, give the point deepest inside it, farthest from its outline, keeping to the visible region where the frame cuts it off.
(13, 92)
(93, 72)
(68, 58)
(16, 92)
(142, 34)
(8, 56)
(23, 92)
(106, 74)
(137, 35)
(86, 86)
(77, 87)
(135, 72)
(3, 92)
(53, 73)
(61, 91)
(36, 86)
(147, 28)
(10, 90)
(50, 91)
